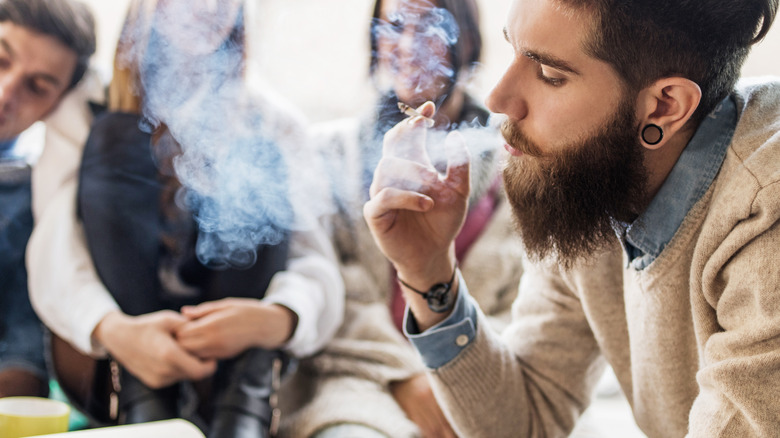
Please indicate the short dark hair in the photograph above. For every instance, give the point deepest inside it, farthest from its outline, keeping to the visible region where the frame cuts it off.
(465, 52)
(69, 21)
(705, 41)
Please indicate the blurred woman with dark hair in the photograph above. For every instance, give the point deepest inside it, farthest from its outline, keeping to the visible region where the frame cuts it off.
(368, 382)
(421, 51)
(204, 286)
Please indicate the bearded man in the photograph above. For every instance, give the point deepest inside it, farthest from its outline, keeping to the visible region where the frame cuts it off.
(646, 187)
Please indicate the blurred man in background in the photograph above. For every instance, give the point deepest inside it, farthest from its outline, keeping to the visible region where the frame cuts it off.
(45, 46)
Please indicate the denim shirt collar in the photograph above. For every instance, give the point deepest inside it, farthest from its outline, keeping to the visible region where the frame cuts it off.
(7, 148)
(689, 180)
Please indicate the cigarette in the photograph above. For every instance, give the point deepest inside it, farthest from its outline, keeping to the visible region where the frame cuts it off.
(411, 112)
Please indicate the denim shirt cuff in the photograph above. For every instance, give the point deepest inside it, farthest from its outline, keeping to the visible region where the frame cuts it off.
(443, 342)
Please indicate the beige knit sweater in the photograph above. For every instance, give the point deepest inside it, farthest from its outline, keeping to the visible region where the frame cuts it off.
(694, 338)
(348, 381)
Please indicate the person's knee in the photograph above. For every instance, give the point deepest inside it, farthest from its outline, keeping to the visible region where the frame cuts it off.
(22, 382)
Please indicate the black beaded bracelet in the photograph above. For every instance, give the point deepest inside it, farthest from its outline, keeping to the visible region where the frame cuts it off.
(439, 298)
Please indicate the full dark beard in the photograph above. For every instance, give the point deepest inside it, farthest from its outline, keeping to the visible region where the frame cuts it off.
(565, 202)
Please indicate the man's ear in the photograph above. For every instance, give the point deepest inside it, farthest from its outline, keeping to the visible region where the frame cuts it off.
(668, 104)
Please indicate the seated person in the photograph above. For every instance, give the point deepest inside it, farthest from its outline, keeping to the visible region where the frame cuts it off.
(45, 46)
(645, 182)
(179, 308)
(369, 382)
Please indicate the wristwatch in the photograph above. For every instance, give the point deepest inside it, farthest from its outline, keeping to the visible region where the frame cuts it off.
(439, 298)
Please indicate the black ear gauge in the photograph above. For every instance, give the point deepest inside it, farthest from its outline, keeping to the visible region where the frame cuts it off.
(652, 134)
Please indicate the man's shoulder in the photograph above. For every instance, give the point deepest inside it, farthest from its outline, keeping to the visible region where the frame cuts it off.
(756, 144)
(758, 102)
(747, 188)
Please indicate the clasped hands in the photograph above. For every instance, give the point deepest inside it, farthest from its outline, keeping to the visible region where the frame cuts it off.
(165, 347)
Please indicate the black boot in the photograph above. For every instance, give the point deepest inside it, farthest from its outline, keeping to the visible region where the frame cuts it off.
(140, 404)
(246, 394)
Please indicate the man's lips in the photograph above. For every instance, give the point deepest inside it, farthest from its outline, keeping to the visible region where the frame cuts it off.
(512, 151)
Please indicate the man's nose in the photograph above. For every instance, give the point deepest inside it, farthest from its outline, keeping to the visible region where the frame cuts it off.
(10, 90)
(507, 96)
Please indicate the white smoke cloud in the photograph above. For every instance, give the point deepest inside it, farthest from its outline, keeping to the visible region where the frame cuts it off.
(242, 160)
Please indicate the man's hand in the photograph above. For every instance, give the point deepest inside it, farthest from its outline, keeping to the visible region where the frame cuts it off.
(416, 398)
(415, 213)
(223, 329)
(146, 347)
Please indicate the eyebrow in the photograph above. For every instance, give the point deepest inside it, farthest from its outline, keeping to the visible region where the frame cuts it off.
(545, 58)
(550, 60)
(44, 76)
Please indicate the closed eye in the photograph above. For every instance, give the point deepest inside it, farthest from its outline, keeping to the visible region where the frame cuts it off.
(550, 75)
(550, 78)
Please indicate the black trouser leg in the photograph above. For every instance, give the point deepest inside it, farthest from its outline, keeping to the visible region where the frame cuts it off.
(140, 404)
(246, 390)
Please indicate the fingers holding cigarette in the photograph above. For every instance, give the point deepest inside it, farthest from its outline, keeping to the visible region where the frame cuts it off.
(402, 174)
(407, 140)
(424, 112)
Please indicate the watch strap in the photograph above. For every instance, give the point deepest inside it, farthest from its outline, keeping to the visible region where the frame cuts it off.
(439, 296)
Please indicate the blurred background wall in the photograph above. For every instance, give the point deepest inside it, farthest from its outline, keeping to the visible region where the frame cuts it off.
(315, 53)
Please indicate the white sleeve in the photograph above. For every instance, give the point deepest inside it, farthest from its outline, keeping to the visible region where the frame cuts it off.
(312, 287)
(65, 290)
(67, 129)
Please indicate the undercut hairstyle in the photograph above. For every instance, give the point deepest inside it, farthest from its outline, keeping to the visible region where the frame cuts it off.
(705, 41)
(465, 52)
(69, 21)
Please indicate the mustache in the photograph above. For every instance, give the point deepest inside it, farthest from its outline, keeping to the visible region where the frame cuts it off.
(517, 139)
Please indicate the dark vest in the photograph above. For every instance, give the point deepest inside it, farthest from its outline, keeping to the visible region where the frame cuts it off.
(119, 200)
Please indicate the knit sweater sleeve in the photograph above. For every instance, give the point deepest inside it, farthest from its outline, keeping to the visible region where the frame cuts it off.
(368, 346)
(534, 382)
(736, 294)
(739, 326)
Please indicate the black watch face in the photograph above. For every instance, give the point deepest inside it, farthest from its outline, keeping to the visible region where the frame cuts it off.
(439, 298)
